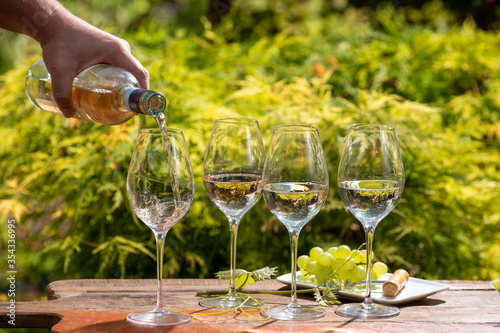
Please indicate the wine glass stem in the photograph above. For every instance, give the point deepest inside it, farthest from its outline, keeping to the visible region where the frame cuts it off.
(160, 244)
(294, 240)
(369, 233)
(233, 225)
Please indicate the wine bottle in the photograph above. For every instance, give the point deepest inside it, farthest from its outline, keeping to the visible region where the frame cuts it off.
(102, 94)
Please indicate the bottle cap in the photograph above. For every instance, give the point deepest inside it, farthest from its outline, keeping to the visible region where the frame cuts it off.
(144, 101)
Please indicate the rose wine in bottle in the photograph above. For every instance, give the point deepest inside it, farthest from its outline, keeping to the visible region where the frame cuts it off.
(102, 94)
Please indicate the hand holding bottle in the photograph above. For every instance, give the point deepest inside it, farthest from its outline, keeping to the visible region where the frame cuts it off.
(101, 94)
(67, 52)
(69, 44)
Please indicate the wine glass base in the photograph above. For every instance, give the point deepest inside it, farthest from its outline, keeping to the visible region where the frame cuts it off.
(287, 312)
(357, 310)
(229, 302)
(153, 318)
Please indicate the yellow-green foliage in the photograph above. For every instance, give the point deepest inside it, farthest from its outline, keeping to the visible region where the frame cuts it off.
(438, 83)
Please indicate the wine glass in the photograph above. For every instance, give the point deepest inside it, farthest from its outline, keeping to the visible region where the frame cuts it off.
(295, 184)
(370, 181)
(232, 175)
(159, 167)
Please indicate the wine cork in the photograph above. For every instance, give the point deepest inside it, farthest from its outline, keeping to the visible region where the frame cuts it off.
(396, 283)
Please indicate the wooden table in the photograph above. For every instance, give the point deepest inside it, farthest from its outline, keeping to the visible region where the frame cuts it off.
(102, 305)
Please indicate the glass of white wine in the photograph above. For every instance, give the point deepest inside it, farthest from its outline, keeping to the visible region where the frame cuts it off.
(370, 180)
(160, 186)
(295, 184)
(232, 175)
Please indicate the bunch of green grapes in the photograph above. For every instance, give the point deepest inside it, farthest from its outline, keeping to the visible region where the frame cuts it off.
(337, 263)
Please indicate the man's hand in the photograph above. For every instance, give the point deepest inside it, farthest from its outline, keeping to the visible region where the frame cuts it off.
(69, 44)
(67, 52)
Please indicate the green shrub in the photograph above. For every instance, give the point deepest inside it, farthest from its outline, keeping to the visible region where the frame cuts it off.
(64, 180)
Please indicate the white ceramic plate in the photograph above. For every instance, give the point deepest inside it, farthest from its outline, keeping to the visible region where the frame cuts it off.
(415, 289)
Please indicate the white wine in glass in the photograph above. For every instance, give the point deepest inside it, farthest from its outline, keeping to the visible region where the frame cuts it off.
(370, 180)
(295, 183)
(151, 194)
(232, 175)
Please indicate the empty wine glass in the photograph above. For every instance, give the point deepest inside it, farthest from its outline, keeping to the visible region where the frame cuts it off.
(370, 181)
(159, 165)
(295, 184)
(232, 175)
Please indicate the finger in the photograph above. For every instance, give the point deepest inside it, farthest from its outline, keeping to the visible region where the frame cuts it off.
(62, 83)
(135, 68)
(126, 60)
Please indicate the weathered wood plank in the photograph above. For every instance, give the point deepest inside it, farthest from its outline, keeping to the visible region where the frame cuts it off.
(102, 305)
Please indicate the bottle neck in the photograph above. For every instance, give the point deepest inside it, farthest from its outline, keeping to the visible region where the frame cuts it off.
(143, 101)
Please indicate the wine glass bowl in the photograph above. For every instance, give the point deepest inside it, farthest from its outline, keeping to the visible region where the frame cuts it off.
(232, 176)
(370, 181)
(295, 185)
(160, 186)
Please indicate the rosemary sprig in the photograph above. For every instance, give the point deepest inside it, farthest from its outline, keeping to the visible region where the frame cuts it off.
(244, 277)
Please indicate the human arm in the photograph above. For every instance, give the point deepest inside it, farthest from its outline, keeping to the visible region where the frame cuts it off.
(69, 44)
